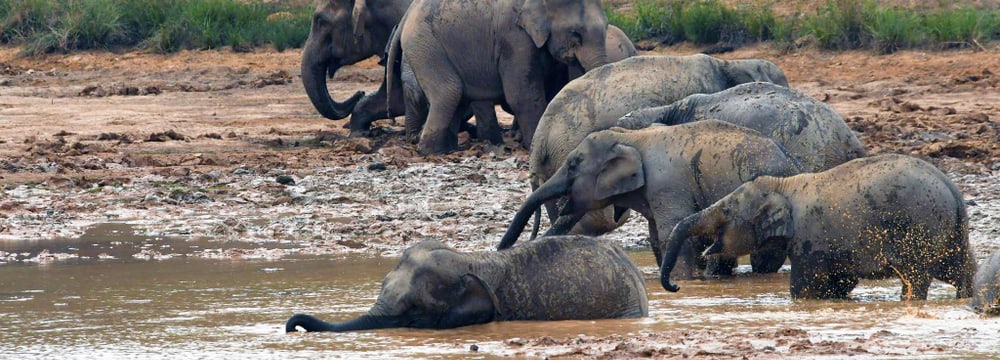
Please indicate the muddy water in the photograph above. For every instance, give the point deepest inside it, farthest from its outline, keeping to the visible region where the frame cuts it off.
(122, 306)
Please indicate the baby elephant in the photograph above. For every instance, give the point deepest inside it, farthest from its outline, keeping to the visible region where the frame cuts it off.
(986, 292)
(554, 278)
(872, 218)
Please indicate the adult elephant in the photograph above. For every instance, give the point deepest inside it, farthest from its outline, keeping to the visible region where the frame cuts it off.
(986, 289)
(809, 129)
(597, 99)
(491, 52)
(554, 278)
(666, 173)
(872, 218)
(345, 32)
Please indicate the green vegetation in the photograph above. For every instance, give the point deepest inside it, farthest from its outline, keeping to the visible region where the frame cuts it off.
(158, 25)
(835, 24)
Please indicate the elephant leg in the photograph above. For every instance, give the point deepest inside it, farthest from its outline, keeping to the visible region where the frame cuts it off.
(916, 283)
(719, 266)
(525, 93)
(665, 217)
(487, 127)
(440, 133)
(415, 103)
(767, 261)
(817, 276)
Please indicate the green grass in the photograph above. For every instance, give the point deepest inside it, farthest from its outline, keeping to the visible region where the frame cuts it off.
(833, 24)
(157, 25)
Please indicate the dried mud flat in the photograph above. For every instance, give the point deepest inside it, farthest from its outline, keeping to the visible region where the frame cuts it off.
(226, 146)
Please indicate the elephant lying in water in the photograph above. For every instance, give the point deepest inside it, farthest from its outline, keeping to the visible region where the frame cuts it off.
(872, 218)
(554, 278)
(596, 101)
(665, 173)
(986, 290)
(809, 129)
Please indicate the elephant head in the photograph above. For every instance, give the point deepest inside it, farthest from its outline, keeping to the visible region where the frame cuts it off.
(748, 219)
(750, 70)
(431, 287)
(573, 31)
(599, 171)
(344, 32)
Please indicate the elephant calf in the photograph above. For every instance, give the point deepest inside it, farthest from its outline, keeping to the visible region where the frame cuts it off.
(554, 278)
(811, 131)
(986, 291)
(665, 173)
(872, 218)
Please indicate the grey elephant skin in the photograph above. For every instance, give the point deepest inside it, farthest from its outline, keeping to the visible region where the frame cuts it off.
(809, 129)
(666, 173)
(376, 106)
(491, 52)
(870, 218)
(554, 278)
(986, 289)
(345, 32)
(596, 101)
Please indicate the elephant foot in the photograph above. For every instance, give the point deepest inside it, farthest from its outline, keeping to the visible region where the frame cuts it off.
(425, 150)
(359, 133)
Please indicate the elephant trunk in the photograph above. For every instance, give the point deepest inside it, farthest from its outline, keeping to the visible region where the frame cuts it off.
(592, 56)
(311, 323)
(565, 223)
(680, 233)
(556, 186)
(314, 73)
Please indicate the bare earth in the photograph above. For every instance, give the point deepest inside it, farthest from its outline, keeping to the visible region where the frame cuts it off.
(222, 145)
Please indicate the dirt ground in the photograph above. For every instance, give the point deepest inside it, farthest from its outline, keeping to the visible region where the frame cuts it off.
(223, 145)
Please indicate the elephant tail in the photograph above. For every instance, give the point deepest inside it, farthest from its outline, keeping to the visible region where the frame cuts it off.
(394, 55)
(538, 215)
(960, 268)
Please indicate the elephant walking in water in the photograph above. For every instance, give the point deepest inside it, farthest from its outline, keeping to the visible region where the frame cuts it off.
(554, 278)
(871, 218)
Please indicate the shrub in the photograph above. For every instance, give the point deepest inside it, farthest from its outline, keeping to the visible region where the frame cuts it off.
(892, 29)
(707, 22)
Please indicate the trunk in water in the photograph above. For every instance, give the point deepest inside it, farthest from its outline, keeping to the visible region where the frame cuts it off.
(314, 80)
(677, 238)
(556, 186)
(311, 323)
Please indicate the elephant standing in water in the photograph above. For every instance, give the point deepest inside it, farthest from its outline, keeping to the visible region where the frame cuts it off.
(871, 218)
(344, 32)
(809, 129)
(665, 173)
(986, 289)
(596, 101)
(491, 52)
(554, 278)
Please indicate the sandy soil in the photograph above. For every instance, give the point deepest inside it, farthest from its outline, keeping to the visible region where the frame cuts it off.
(226, 146)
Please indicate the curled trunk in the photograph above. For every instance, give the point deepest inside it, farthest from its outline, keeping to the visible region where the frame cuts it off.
(553, 188)
(314, 80)
(680, 234)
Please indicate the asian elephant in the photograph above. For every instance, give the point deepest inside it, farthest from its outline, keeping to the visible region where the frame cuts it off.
(554, 278)
(665, 173)
(596, 101)
(986, 289)
(809, 129)
(345, 32)
(491, 52)
(872, 218)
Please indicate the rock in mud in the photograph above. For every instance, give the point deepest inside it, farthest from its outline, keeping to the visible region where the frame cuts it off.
(285, 180)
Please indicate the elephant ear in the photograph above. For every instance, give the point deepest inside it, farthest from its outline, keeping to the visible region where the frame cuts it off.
(359, 15)
(534, 21)
(774, 220)
(621, 173)
(474, 303)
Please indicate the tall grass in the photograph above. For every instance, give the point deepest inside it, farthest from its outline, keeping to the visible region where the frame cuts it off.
(158, 25)
(833, 24)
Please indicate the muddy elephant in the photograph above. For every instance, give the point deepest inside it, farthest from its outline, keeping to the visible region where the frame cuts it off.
(512, 42)
(596, 101)
(665, 173)
(809, 129)
(375, 106)
(554, 278)
(345, 32)
(871, 218)
(986, 288)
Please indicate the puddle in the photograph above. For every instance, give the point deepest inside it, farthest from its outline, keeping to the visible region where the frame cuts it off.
(194, 307)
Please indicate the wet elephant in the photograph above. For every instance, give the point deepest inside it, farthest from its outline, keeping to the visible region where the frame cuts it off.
(554, 278)
(665, 173)
(986, 289)
(870, 218)
(809, 129)
(596, 101)
(344, 32)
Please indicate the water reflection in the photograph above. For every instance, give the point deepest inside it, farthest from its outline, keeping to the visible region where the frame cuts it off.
(186, 307)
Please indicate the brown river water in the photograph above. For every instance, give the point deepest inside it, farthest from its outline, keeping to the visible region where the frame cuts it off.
(187, 307)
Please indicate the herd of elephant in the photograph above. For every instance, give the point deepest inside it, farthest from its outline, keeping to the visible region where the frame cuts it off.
(721, 157)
